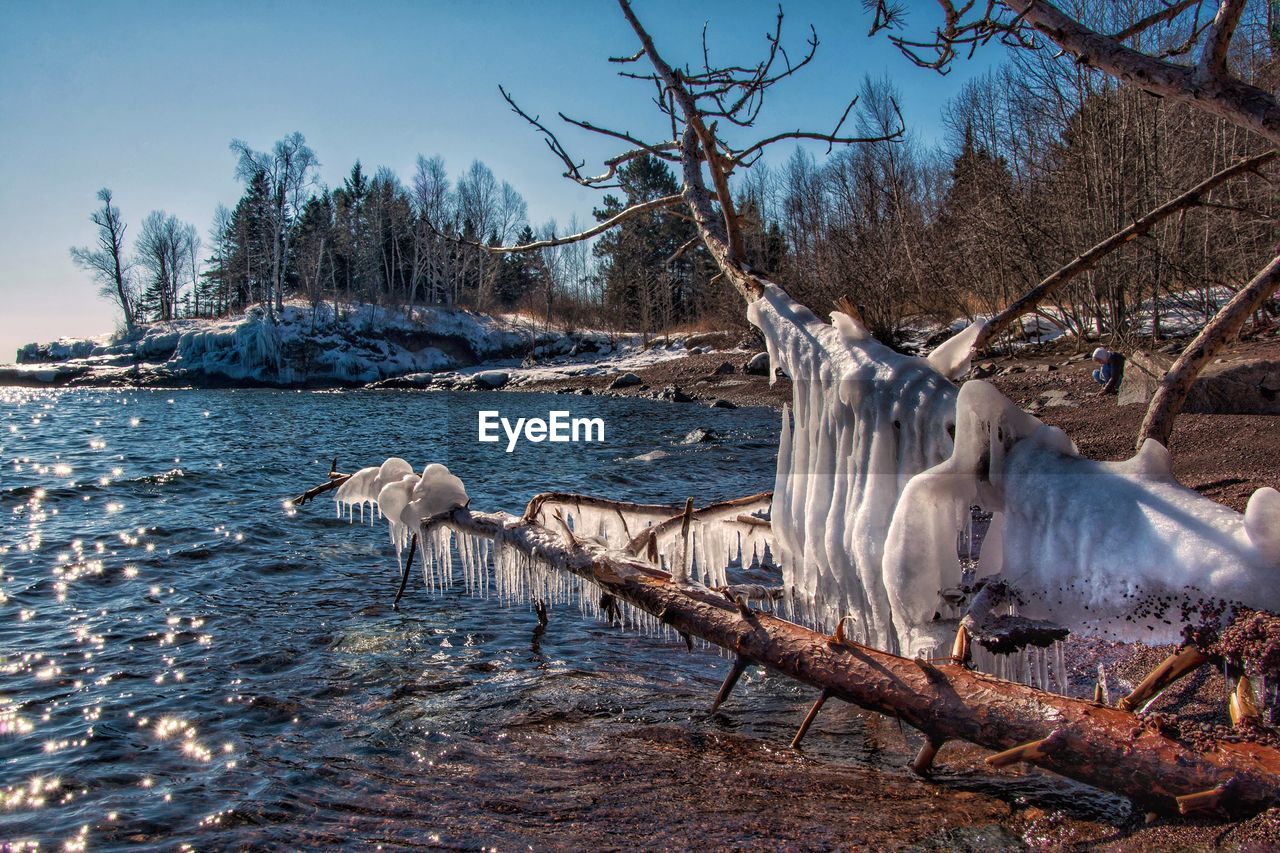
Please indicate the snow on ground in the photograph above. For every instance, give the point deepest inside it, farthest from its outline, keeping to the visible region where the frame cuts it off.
(1180, 314)
(629, 355)
(366, 344)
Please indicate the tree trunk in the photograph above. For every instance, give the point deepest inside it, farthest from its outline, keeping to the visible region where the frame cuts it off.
(1176, 384)
(1100, 746)
(1242, 104)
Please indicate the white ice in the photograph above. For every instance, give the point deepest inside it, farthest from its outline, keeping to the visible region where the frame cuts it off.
(871, 491)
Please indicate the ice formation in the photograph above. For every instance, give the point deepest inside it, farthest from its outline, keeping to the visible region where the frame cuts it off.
(881, 461)
(365, 485)
(730, 535)
(1118, 549)
(872, 490)
(863, 421)
(435, 493)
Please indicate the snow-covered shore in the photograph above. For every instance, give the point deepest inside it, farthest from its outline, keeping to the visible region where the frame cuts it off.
(367, 345)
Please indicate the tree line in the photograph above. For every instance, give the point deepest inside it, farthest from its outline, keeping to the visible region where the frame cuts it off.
(1037, 161)
(376, 240)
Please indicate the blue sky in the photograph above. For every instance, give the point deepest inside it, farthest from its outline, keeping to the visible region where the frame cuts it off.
(144, 98)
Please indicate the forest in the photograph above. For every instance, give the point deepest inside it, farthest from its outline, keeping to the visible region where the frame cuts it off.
(1038, 160)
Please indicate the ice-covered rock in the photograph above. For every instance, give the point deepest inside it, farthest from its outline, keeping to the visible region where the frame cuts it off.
(626, 380)
(757, 365)
(491, 378)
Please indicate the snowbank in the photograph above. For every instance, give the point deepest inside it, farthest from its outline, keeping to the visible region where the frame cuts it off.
(304, 345)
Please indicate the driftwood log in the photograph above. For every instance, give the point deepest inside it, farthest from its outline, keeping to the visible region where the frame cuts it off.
(1107, 747)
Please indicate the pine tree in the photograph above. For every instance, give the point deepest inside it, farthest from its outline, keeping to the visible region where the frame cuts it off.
(647, 278)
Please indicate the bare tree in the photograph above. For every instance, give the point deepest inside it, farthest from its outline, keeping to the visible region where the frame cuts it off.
(289, 169)
(431, 203)
(165, 248)
(107, 262)
(1208, 83)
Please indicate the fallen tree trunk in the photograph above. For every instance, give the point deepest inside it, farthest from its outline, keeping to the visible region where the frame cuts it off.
(1105, 747)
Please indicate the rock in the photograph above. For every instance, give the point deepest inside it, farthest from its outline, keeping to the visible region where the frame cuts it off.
(626, 380)
(710, 340)
(1046, 368)
(585, 392)
(491, 378)
(981, 371)
(674, 395)
(725, 369)
(157, 347)
(723, 404)
(1246, 387)
(1056, 397)
(757, 365)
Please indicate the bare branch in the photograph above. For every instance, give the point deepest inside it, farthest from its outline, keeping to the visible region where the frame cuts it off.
(573, 170)
(1089, 259)
(624, 59)
(1176, 383)
(830, 138)
(1160, 17)
(662, 150)
(600, 228)
(1213, 63)
(1219, 94)
(680, 252)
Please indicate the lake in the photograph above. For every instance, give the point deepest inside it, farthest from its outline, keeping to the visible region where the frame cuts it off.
(187, 662)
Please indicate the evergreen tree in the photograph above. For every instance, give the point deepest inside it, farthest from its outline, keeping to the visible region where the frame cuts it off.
(647, 278)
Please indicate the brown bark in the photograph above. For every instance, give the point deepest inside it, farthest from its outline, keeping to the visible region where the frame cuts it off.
(335, 480)
(1205, 87)
(1089, 259)
(1174, 667)
(1105, 747)
(1176, 385)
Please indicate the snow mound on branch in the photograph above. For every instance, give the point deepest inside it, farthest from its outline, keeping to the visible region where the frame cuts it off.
(872, 491)
(401, 496)
(1116, 549)
(437, 492)
(863, 421)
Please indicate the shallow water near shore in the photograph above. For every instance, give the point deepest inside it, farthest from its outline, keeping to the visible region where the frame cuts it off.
(185, 661)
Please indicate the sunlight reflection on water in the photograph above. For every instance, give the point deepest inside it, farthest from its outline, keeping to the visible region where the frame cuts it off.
(187, 661)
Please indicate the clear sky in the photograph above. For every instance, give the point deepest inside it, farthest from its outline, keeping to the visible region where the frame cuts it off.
(144, 98)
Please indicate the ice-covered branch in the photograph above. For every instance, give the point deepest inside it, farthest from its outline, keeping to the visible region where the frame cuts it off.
(1106, 747)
